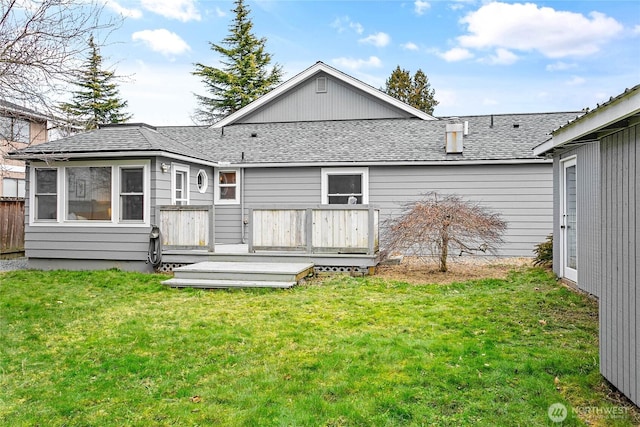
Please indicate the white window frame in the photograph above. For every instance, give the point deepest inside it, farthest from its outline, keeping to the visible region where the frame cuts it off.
(116, 166)
(205, 181)
(326, 172)
(175, 168)
(216, 198)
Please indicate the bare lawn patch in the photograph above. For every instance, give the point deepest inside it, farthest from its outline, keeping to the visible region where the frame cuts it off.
(425, 270)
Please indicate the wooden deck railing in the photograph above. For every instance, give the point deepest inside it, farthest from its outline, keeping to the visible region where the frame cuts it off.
(340, 229)
(187, 227)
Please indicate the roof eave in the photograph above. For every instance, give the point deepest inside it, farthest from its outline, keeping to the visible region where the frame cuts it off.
(107, 154)
(595, 124)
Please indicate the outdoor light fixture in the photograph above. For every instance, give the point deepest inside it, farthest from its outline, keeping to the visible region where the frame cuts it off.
(164, 167)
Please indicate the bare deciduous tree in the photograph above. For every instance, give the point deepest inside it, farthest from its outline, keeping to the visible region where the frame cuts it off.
(438, 224)
(41, 44)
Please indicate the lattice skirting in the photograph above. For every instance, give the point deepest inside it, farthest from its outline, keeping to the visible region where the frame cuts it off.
(167, 267)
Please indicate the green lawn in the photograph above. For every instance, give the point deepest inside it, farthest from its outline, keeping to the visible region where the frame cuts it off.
(112, 349)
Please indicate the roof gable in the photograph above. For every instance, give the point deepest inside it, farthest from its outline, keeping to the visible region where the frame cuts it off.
(289, 102)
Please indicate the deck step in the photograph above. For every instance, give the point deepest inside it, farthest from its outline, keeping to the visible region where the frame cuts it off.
(223, 274)
(225, 284)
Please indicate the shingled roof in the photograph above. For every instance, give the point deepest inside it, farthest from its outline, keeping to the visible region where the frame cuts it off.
(118, 140)
(490, 138)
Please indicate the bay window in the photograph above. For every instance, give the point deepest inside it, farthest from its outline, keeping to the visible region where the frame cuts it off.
(91, 192)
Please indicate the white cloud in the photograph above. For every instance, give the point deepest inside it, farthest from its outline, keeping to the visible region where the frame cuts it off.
(456, 54)
(220, 13)
(576, 81)
(343, 23)
(555, 34)
(182, 10)
(163, 41)
(409, 46)
(636, 29)
(152, 100)
(120, 10)
(560, 66)
(357, 64)
(420, 6)
(503, 57)
(378, 39)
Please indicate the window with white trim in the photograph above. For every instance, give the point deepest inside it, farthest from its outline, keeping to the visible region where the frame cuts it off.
(100, 193)
(131, 194)
(88, 195)
(179, 184)
(202, 181)
(227, 190)
(45, 196)
(13, 187)
(341, 186)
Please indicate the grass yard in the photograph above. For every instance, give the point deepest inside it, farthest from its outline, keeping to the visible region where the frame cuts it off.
(113, 349)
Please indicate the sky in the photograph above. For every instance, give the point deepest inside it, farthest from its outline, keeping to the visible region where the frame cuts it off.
(480, 57)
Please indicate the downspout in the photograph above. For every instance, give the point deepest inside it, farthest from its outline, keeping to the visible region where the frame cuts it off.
(242, 222)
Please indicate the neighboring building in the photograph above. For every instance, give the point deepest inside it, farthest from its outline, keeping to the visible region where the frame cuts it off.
(597, 225)
(316, 140)
(19, 128)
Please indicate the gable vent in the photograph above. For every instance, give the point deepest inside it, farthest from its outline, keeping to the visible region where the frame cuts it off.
(454, 133)
(321, 85)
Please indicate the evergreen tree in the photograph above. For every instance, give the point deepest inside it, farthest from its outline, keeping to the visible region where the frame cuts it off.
(245, 74)
(97, 100)
(415, 91)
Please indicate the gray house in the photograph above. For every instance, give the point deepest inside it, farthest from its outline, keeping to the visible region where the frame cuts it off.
(277, 177)
(597, 225)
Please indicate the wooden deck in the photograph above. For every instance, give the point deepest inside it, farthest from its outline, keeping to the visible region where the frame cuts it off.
(323, 262)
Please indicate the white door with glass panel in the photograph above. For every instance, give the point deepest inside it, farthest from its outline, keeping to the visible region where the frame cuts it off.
(568, 216)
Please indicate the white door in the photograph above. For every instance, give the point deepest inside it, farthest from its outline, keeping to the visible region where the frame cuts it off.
(568, 217)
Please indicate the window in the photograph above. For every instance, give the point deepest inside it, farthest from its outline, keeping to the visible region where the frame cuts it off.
(100, 193)
(227, 187)
(131, 194)
(341, 184)
(13, 187)
(46, 194)
(202, 181)
(88, 196)
(179, 184)
(15, 130)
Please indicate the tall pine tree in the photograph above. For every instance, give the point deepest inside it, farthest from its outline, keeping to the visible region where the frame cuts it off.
(415, 91)
(245, 74)
(97, 101)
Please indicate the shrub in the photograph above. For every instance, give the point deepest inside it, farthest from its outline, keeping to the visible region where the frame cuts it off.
(544, 253)
(443, 224)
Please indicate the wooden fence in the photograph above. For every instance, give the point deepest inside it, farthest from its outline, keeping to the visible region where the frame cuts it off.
(340, 229)
(11, 225)
(187, 227)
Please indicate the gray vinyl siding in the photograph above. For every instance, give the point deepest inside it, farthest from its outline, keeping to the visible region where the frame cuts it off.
(265, 186)
(110, 243)
(588, 215)
(620, 261)
(161, 184)
(339, 102)
(521, 193)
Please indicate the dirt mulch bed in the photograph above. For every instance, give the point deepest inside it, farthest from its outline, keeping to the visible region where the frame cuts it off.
(421, 270)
